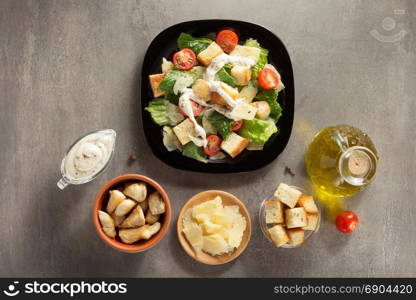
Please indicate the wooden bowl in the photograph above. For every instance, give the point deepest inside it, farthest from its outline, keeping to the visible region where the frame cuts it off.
(101, 202)
(202, 257)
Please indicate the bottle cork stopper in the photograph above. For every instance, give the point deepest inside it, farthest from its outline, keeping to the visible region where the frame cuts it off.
(359, 164)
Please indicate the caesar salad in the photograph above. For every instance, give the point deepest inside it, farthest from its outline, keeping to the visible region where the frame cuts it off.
(215, 99)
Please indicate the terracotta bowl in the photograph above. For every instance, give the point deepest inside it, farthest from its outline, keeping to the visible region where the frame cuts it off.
(101, 202)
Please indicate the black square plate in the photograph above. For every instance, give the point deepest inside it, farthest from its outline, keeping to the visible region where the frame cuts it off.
(164, 44)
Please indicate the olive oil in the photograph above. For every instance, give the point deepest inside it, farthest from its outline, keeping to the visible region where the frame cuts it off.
(341, 161)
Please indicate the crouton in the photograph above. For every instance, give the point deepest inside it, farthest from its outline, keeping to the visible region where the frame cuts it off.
(295, 217)
(296, 236)
(312, 220)
(234, 144)
(144, 205)
(116, 197)
(274, 212)
(107, 224)
(248, 93)
(135, 219)
(218, 99)
(150, 218)
(287, 195)
(263, 109)
(278, 235)
(182, 131)
(308, 204)
(206, 56)
(155, 80)
(241, 74)
(201, 89)
(136, 191)
(156, 204)
(124, 207)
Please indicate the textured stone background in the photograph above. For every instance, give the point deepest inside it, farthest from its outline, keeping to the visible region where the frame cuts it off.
(69, 67)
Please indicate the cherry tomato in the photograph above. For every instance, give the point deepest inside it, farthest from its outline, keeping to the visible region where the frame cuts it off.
(197, 109)
(214, 145)
(268, 79)
(236, 125)
(184, 59)
(347, 221)
(227, 39)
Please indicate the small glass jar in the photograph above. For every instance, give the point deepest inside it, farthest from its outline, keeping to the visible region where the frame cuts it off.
(264, 226)
(67, 179)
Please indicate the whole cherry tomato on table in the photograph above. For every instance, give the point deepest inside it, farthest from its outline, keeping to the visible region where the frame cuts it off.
(347, 221)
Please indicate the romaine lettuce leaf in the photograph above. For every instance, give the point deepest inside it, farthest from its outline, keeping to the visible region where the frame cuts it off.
(228, 67)
(262, 58)
(224, 76)
(172, 97)
(252, 43)
(164, 113)
(206, 124)
(270, 96)
(257, 130)
(193, 151)
(221, 123)
(195, 44)
(168, 83)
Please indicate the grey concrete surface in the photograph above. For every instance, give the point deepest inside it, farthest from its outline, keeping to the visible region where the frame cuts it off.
(69, 67)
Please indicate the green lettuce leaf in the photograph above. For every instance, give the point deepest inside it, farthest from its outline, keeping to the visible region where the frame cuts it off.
(228, 67)
(270, 96)
(257, 130)
(193, 151)
(252, 43)
(164, 113)
(168, 83)
(262, 58)
(224, 76)
(195, 44)
(221, 123)
(174, 99)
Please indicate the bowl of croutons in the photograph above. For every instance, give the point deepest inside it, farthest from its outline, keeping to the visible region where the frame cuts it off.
(131, 213)
(289, 217)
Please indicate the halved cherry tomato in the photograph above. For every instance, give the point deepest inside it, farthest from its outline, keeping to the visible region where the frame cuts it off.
(268, 79)
(227, 39)
(197, 109)
(347, 221)
(214, 145)
(236, 125)
(184, 59)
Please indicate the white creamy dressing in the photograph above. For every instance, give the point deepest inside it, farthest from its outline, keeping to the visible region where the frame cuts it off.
(90, 154)
(186, 106)
(215, 86)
